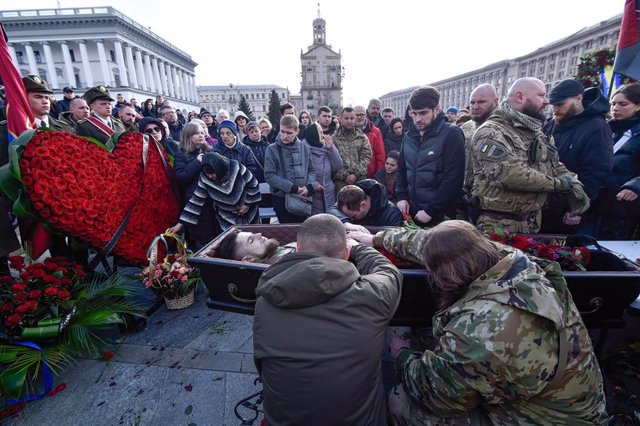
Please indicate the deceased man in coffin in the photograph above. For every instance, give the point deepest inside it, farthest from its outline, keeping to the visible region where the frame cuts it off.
(232, 264)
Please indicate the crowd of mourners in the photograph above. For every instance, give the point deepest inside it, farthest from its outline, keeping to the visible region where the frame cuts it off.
(564, 162)
(512, 347)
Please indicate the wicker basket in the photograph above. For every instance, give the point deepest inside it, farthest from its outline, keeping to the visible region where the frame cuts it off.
(181, 302)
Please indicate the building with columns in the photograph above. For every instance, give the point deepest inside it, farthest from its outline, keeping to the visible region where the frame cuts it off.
(85, 47)
(551, 63)
(322, 73)
(215, 98)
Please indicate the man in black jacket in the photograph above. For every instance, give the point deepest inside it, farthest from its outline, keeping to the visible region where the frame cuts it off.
(431, 165)
(583, 139)
(366, 203)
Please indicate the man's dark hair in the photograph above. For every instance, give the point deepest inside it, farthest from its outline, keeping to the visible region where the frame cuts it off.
(347, 109)
(387, 109)
(227, 248)
(424, 97)
(393, 154)
(324, 109)
(351, 196)
(285, 106)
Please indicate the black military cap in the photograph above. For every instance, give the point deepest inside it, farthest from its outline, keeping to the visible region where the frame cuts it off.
(565, 89)
(33, 83)
(95, 93)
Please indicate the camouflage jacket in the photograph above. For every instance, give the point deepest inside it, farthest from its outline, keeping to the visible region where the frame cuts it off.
(468, 129)
(355, 150)
(515, 165)
(498, 346)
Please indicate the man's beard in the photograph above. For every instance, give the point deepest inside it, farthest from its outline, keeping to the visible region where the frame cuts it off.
(531, 111)
(270, 249)
(481, 119)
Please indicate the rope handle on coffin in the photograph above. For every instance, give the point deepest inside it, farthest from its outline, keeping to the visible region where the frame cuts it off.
(232, 289)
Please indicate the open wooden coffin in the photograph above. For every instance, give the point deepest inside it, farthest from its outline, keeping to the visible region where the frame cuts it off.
(602, 293)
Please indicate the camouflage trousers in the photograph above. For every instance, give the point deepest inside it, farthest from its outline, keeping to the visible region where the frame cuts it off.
(404, 411)
(487, 222)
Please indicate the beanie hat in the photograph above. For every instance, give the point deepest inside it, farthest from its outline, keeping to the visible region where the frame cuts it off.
(229, 125)
(203, 111)
(424, 97)
(452, 109)
(250, 125)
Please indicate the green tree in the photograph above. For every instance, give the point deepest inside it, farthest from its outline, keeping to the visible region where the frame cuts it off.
(244, 106)
(274, 108)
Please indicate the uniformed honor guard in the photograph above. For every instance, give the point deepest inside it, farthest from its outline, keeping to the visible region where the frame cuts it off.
(100, 125)
(39, 97)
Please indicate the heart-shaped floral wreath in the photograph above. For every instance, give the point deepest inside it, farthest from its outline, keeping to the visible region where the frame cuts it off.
(121, 192)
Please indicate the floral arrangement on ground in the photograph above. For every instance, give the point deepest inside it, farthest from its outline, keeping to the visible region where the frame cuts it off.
(173, 278)
(51, 313)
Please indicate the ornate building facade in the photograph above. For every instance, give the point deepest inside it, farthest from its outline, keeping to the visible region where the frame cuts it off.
(215, 98)
(551, 63)
(322, 73)
(85, 47)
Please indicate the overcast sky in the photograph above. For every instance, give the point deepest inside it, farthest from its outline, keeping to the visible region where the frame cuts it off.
(385, 45)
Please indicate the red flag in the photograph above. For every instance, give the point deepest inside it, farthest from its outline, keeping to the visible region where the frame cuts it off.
(627, 60)
(19, 115)
(19, 119)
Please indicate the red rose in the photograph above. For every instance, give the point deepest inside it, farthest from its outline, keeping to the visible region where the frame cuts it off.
(64, 294)
(522, 243)
(20, 297)
(7, 307)
(13, 320)
(35, 294)
(22, 309)
(16, 262)
(31, 304)
(547, 252)
(50, 291)
(19, 287)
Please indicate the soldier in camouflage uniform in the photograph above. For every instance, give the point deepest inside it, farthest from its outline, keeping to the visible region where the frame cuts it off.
(512, 348)
(515, 165)
(355, 150)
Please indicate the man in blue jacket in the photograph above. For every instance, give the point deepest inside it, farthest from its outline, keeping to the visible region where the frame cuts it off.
(431, 165)
(583, 139)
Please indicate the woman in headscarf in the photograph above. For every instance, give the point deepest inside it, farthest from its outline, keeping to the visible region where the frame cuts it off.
(326, 160)
(229, 188)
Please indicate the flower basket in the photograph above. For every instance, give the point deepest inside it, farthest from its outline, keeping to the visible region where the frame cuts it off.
(172, 278)
(180, 302)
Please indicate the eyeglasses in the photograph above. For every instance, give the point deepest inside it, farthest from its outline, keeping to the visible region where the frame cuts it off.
(150, 130)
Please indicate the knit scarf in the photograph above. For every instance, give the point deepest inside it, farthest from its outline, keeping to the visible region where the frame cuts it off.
(510, 112)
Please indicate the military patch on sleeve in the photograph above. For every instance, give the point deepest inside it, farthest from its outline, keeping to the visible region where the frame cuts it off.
(489, 150)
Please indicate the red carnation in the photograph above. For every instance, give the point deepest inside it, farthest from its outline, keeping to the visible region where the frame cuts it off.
(51, 291)
(547, 252)
(13, 320)
(7, 307)
(20, 297)
(64, 294)
(522, 243)
(35, 294)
